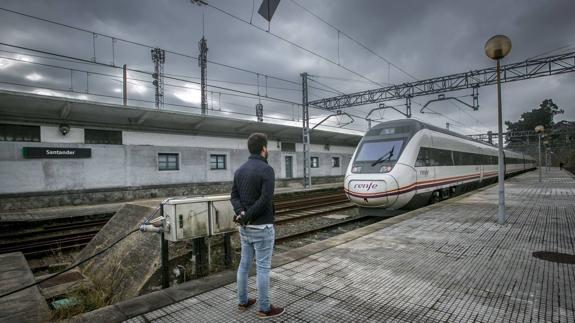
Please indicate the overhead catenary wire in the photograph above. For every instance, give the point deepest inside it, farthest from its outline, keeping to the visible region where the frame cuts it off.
(143, 72)
(144, 45)
(329, 60)
(326, 86)
(354, 40)
(167, 103)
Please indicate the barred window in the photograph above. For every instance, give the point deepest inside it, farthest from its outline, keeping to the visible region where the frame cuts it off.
(104, 137)
(168, 161)
(315, 162)
(334, 162)
(217, 161)
(13, 132)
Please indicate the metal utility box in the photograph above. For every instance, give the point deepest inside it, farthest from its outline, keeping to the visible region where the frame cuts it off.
(190, 218)
(222, 216)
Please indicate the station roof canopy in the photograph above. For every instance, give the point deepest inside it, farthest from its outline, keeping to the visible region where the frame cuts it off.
(40, 109)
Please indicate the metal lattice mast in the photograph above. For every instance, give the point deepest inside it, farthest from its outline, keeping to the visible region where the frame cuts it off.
(532, 68)
(306, 133)
(159, 58)
(203, 63)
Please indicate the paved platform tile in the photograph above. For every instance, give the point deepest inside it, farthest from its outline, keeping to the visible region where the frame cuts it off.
(451, 263)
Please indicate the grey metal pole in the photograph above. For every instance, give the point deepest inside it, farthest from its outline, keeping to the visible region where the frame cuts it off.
(539, 158)
(306, 133)
(165, 256)
(501, 177)
(125, 85)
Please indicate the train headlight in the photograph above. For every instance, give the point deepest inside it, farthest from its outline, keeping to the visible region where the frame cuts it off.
(385, 169)
(356, 169)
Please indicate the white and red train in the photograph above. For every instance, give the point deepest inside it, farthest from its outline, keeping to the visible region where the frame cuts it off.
(408, 163)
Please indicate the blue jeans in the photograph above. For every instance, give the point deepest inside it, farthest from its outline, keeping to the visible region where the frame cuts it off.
(258, 242)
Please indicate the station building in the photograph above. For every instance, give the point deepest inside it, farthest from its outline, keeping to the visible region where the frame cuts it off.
(60, 151)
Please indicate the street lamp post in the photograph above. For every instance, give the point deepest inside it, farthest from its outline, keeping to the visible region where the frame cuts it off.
(496, 48)
(539, 130)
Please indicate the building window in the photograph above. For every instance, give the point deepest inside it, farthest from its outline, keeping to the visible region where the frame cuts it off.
(168, 161)
(288, 146)
(315, 162)
(102, 137)
(13, 132)
(217, 161)
(334, 162)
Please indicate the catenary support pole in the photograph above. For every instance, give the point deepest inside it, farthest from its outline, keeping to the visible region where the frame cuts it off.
(125, 85)
(306, 133)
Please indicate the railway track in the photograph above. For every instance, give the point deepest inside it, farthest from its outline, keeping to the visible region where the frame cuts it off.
(55, 238)
(300, 234)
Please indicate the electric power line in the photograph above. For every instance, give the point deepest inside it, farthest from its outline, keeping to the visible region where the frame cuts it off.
(327, 86)
(143, 44)
(146, 72)
(354, 40)
(294, 44)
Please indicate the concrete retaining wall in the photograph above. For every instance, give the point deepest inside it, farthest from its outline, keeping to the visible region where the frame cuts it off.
(22, 201)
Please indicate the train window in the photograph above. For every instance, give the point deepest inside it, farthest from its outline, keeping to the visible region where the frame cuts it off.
(458, 158)
(334, 162)
(433, 157)
(441, 157)
(12, 132)
(471, 159)
(168, 161)
(374, 150)
(373, 132)
(394, 130)
(315, 162)
(423, 158)
(217, 161)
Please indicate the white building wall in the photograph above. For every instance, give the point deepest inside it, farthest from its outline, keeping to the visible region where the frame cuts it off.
(53, 134)
(135, 163)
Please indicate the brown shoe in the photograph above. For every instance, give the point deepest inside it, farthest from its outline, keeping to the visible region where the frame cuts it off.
(273, 312)
(243, 307)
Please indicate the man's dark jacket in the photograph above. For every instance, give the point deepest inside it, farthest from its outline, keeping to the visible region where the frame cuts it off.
(253, 191)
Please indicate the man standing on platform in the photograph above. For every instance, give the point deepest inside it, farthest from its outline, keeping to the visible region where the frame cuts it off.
(252, 199)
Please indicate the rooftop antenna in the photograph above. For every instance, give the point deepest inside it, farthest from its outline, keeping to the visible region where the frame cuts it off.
(159, 58)
(203, 60)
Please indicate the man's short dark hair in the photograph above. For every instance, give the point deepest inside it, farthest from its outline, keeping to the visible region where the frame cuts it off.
(256, 142)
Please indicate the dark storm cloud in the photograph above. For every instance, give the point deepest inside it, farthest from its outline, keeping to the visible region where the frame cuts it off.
(425, 38)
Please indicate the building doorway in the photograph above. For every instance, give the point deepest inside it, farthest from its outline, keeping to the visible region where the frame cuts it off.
(289, 166)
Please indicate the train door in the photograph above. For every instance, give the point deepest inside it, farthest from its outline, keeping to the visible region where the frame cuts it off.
(425, 169)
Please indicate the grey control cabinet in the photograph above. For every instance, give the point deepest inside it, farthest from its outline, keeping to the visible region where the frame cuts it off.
(190, 218)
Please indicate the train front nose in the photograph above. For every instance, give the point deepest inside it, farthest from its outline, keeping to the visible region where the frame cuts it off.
(365, 192)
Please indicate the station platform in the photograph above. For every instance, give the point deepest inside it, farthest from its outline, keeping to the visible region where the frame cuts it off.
(448, 262)
(24, 306)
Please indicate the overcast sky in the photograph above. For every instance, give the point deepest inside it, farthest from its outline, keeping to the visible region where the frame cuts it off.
(424, 38)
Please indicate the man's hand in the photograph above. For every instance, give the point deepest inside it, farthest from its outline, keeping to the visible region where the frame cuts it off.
(240, 219)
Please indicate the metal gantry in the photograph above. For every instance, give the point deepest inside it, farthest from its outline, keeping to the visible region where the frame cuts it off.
(531, 68)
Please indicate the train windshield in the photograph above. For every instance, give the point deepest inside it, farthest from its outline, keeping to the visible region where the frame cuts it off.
(375, 150)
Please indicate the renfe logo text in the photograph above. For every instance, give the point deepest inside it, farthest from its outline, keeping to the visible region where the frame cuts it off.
(366, 186)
